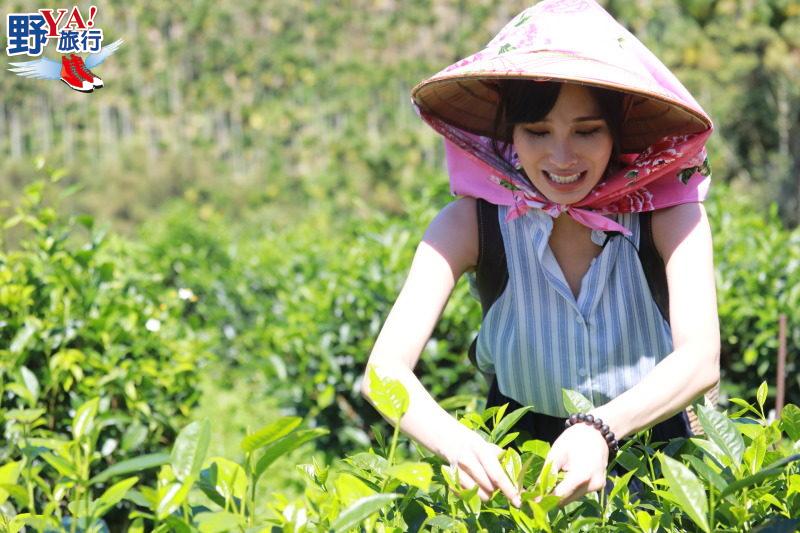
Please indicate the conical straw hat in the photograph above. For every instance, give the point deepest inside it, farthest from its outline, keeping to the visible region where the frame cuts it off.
(573, 41)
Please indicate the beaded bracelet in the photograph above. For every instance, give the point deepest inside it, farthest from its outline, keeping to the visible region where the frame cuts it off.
(597, 423)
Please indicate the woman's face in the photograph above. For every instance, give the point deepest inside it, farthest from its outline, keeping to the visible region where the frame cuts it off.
(566, 154)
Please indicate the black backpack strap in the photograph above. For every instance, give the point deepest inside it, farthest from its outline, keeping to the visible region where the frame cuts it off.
(491, 272)
(653, 264)
(492, 269)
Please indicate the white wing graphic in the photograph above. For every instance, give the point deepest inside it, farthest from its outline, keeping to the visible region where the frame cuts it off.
(92, 60)
(43, 68)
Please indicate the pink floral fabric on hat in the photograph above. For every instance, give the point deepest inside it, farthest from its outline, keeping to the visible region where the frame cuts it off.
(573, 41)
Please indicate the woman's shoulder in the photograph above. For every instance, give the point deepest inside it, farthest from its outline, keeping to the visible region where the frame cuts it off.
(454, 231)
(672, 225)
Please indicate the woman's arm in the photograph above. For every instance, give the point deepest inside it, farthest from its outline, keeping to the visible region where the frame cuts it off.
(448, 249)
(683, 238)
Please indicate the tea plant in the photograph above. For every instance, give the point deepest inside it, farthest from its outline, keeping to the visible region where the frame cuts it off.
(79, 323)
(742, 476)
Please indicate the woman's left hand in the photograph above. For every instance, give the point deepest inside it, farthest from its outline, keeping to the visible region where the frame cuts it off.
(582, 453)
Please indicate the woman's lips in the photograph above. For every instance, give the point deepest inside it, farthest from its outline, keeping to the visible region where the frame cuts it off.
(564, 181)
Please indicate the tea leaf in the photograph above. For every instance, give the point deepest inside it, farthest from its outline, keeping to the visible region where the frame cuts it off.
(270, 433)
(137, 464)
(190, 448)
(754, 454)
(24, 416)
(793, 485)
(134, 436)
(749, 428)
(508, 439)
(23, 336)
(619, 484)
(511, 463)
(540, 516)
(368, 462)
(229, 478)
(687, 490)
(761, 394)
(285, 445)
(360, 510)
(508, 422)
(172, 496)
(546, 481)
(388, 395)
(64, 467)
(790, 421)
(722, 432)
(706, 472)
(415, 474)
(445, 523)
(9, 473)
(746, 407)
(207, 483)
(219, 521)
(83, 421)
(173, 524)
(519, 482)
(644, 520)
(711, 450)
(539, 448)
(575, 402)
(350, 488)
(31, 383)
(112, 496)
(770, 471)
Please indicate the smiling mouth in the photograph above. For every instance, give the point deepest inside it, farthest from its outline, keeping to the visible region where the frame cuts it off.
(563, 179)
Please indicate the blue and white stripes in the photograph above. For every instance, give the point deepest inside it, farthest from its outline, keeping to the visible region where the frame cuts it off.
(538, 339)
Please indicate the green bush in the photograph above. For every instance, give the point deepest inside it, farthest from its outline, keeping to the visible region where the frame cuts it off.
(79, 321)
(304, 303)
(758, 279)
(741, 476)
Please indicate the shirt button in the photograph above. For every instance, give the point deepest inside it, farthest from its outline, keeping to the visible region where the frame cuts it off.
(582, 372)
(579, 319)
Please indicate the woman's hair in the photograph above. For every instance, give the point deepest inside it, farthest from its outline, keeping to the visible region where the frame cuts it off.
(522, 101)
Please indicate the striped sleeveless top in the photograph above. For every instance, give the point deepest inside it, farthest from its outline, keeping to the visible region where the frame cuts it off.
(538, 339)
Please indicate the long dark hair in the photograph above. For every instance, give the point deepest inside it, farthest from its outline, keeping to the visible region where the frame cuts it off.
(523, 101)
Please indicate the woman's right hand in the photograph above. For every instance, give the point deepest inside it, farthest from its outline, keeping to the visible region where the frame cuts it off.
(477, 463)
(449, 248)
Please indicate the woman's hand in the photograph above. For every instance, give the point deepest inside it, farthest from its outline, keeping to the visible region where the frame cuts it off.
(582, 453)
(477, 462)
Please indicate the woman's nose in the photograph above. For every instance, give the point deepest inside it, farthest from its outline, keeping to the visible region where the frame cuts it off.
(562, 155)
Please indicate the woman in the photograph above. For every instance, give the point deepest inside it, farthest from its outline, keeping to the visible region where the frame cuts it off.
(573, 129)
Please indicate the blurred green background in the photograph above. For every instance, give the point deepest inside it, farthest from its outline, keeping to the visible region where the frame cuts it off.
(264, 155)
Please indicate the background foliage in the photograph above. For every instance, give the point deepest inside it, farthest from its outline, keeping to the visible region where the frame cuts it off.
(310, 101)
(237, 215)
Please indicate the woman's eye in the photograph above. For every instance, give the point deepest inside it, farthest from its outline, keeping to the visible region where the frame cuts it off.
(588, 132)
(537, 133)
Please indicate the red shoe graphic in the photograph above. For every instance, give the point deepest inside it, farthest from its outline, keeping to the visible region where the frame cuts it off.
(70, 76)
(85, 73)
